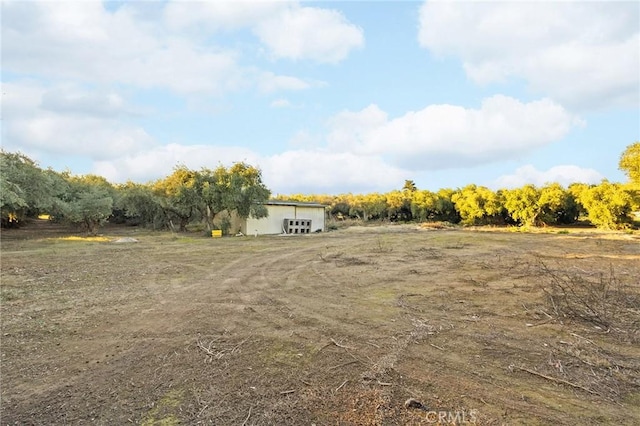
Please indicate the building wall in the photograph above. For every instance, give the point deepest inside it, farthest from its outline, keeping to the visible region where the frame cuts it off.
(316, 214)
(277, 213)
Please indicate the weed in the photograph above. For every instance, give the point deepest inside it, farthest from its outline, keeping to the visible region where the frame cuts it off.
(381, 246)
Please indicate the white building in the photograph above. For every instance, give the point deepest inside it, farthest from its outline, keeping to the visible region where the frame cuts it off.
(289, 217)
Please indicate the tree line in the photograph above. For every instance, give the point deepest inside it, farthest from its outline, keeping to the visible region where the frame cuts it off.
(606, 205)
(197, 196)
(186, 196)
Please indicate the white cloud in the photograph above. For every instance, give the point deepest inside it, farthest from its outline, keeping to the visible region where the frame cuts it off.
(448, 136)
(69, 99)
(583, 54)
(322, 35)
(304, 170)
(86, 42)
(564, 175)
(305, 140)
(213, 16)
(354, 130)
(68, 121)
(280, 103)
(269, 82)
(317, 171)
(159, 161)
(285, 28)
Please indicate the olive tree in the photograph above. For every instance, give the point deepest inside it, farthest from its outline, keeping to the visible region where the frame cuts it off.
(25, 189)
(88, 202)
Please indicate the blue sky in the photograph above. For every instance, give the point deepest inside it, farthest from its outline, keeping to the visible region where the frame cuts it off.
(325, 97)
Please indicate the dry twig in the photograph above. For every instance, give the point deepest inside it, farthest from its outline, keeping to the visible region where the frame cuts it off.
(208, 350)
(247, 419)
(340, 387)
(343, 365)
(238, 345)
(553, 379)
(339, 345)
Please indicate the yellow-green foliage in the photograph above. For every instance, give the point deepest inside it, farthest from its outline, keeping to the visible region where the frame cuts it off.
(630, 162)
(477, 204)
(607, 204)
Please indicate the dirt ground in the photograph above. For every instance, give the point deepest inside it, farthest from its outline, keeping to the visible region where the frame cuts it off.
(338, 328)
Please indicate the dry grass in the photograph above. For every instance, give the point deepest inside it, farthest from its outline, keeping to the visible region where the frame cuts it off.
(335, 328)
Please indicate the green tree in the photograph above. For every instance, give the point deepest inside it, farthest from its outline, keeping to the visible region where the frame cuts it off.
(179, 196)
(339, 207)
(187, 195)
(607, 204)
(399, 205)
(238, 189)
(368, 206)
(410, 186)
(424, 205)
(557, 205)
(140, 204)
(478, 205)
(446, 210)
(630, 162)
(87, 203)
(25, 189)
(522, 204)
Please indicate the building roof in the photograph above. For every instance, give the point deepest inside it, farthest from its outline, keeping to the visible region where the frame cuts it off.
(293, 203)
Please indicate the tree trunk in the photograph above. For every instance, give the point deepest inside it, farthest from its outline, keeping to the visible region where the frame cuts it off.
(208, 219)
(92, 227)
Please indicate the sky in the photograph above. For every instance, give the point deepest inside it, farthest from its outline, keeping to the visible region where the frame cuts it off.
(325, 97)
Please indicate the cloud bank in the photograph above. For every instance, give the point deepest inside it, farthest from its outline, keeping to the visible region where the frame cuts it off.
(448, 136)
(564, 175)
(581, 54)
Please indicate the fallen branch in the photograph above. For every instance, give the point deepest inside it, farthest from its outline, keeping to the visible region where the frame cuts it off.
(548, 316)
(238, 345)
(202, 410)
(287, 392)
(340, 387)
(384, 383)
(247, 419)
(343, 365)
(436, 346)
(346, 348)
(339, 345)
(584, 338)
(553, 379)
(540, 323)
(205, 349)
